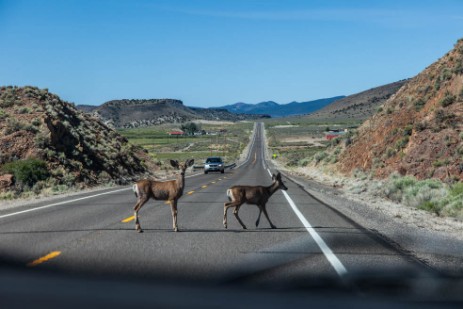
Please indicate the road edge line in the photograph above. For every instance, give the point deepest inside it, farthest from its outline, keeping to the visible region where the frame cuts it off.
(330, 256)
(60, 203)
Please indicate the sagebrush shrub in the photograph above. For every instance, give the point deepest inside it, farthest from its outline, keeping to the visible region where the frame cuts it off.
(27, 172)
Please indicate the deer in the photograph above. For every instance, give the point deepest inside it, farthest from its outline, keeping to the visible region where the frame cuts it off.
(170, 191)
(254, 195)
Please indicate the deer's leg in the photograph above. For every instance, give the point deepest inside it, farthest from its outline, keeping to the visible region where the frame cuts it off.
(141, 201)
(258, 217)
(225, 209)
(235, 212)
(173, 208)
(266, 216)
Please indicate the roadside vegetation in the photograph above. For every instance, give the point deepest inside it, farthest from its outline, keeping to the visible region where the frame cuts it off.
(298, 142)
(301, 147)
(429, 194)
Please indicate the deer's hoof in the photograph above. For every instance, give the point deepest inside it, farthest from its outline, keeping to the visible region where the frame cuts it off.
(274, 227)
(244, 228)
(176, 229)
(140, 231)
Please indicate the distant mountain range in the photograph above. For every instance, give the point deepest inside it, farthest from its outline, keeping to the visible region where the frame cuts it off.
(280, 110)
(129, 113)
(141, 113)
(359, 106)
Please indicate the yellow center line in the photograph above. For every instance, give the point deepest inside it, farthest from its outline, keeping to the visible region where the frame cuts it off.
(212, 181)
(128, 219)
(205, 186)
(191, 192)
(43, 259)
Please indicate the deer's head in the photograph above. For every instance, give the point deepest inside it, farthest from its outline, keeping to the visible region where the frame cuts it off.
(277, 178)
(182, 166)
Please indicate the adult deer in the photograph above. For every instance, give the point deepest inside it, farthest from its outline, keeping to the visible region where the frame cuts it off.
(255, 195)
(170, 191)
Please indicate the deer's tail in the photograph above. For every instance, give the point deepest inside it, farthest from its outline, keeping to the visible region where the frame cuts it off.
(135, 190)
(229, 195)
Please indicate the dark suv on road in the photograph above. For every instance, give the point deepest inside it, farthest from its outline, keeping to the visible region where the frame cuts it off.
(214, 164)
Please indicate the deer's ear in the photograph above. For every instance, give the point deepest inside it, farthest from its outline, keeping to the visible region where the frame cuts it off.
(174, 163)
(189, 162)
(273, 176)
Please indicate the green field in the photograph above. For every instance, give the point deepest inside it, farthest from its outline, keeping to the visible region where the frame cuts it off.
(226, 140)
(297, 141)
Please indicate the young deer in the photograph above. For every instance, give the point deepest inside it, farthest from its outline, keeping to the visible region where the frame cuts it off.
(256, 195)
(170, 191)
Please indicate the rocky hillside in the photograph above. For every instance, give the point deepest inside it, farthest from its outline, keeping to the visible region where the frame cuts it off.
(140, 113)
(359, 106)
(37, 128)
(418, 131)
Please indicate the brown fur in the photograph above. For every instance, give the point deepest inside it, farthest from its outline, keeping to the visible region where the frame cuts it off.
(255, 195)
(169, 191)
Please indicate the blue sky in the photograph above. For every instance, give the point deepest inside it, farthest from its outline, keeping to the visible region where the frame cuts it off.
(218, 52)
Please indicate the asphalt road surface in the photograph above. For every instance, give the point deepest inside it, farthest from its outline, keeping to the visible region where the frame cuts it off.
(94, 233)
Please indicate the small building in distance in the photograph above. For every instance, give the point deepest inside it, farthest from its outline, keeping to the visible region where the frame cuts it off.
(334, 133)
(176, 133)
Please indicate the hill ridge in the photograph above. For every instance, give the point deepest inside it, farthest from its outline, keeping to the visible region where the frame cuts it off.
(418, 131)
(275, 109)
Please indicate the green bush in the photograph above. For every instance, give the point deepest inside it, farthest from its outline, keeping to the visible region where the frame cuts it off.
(419, 104)
(452, 204)
(408, 130)
(421, 126)
(458, 68)
(3, 114)
(446, 74)
(319, 156)
(402, 143)
(447, 100)
(456, 189)
(430, 195)
(431, 207)
(27, 172)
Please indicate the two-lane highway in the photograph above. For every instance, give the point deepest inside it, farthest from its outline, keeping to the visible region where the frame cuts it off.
(94, 233)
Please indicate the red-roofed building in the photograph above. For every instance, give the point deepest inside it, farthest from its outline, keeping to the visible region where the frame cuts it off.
(176, 133)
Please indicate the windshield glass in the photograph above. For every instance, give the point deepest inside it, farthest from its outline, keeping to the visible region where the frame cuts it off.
(282, 146)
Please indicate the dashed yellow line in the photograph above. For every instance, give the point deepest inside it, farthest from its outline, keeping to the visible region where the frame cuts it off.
(204, 187)
(191, 192)
(128, 219)
(212, 181)
(43, 259)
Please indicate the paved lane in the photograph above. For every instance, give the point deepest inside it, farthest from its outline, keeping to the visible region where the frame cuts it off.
(91, 235)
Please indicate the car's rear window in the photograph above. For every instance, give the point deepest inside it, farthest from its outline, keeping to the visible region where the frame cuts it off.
(214, 160)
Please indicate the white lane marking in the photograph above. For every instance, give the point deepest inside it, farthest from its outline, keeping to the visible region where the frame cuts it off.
(75, 200)
(330, 256)
(61, 203)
